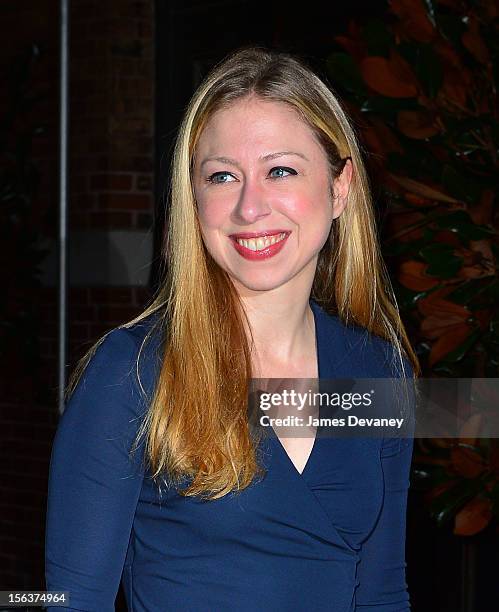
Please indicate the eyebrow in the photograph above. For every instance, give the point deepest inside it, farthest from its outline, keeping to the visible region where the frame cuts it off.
(264, 158)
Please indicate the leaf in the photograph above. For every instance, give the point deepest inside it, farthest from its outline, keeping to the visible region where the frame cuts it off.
(422, 189)
(447, 54)
(386, 137)
(481, 213)
(413, 17)
(474, 517)
(430, 10)
(437, 305)
(467, 462)
(454, 4)
(454, 89)
(435, 326)
(460, 222)
(439, 443)
(426, 65)
(406, 298)
(422, 474)
(494, 464)
(439, 489)
(473, 41)
(467, 291)
(444, 507)
(388, 106)
(447, 342)
(417, 124)
(461, 186)
(461, 350)
(495, 508)
(405, 227)
(379, 38)
(412, 274)
(389, 77)
(353, 41)
(344, 72)
(446, 237)
(451, 27)
(471, 428)
(442, 259)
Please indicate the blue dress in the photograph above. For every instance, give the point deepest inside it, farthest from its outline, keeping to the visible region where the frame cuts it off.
(329, 539)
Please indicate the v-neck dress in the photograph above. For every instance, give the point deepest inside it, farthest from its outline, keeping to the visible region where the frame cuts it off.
(329, 539)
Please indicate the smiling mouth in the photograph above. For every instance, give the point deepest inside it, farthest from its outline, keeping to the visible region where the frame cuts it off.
(258, 244)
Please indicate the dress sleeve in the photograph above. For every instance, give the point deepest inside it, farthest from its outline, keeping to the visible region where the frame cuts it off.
(93, 484)
(381, 574)
(381, 571)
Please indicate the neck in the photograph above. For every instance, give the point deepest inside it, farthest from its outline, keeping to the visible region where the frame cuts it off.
(282, 329)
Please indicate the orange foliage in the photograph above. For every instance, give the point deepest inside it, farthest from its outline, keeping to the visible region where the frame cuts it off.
(412, 275)
(445, 322)
(417, 124)
(391, 77)
(474, 517)
(467, 462)
(473, 41)
(413, 19)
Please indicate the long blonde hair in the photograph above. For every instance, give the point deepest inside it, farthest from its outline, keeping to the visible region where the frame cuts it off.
(197, 422)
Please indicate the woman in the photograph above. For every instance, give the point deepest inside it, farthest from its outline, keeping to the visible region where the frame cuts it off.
(273, 270)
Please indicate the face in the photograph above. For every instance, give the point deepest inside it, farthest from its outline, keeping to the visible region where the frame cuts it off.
(263, 189)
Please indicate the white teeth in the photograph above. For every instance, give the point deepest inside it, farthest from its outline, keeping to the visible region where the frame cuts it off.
(257, 244)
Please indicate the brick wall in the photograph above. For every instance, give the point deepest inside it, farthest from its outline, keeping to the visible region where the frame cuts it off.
(111, 194)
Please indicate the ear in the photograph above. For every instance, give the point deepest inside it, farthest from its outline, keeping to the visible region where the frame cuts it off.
(341, 188)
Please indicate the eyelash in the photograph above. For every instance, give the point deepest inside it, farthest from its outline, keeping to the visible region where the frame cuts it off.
(292, 172)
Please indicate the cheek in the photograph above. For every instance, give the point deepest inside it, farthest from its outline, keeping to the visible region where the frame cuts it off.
(210, 212)
(314, 214)
(311, 207)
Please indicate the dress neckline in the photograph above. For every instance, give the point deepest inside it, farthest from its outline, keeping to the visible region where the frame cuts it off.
(315, 311)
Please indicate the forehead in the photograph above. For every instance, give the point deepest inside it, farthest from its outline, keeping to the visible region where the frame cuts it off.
(255, 122)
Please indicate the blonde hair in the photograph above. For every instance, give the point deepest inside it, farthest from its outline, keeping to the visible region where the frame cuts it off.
(197, 422)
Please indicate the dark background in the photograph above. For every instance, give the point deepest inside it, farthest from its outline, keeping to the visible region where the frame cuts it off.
(133, 67)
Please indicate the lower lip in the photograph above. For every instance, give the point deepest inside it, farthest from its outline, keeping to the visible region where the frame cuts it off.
(269, 251)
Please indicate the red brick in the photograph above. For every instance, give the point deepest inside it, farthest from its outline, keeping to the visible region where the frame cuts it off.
(143, 182)
(77, 351)
(49, 295)
(111, 220)
(125, 201)
(79, 295)
(111, 295)
(145, 29)
(78, 183)
(81, 313)
(111, 182)
(116, 314)
(84, 10)
(99, 329)
(10, 513)
(83, 201)
(144, 221)
(143, 164)
(98, 145)
(47, 348)
(142, 295)
(79, 331)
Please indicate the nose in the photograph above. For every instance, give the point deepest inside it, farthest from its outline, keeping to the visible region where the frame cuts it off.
(252, 203)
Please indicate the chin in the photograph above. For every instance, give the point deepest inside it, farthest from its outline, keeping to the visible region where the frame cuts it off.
(257, 284)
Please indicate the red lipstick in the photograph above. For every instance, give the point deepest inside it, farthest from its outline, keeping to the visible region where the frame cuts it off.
(260, 254)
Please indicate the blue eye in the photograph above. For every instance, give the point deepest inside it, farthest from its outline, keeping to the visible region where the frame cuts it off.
(218, 178)
(219, 175)
(282, 169)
